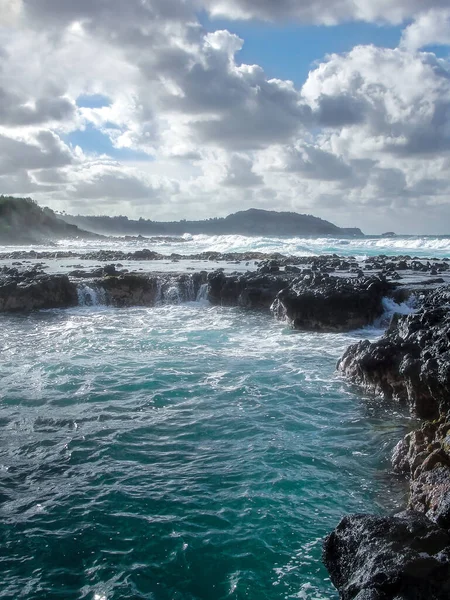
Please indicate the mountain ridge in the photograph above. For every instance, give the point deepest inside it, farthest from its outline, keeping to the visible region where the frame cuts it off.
(253, 221)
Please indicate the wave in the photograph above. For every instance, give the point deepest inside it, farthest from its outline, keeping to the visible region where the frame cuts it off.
(308, 246)
(420, 246)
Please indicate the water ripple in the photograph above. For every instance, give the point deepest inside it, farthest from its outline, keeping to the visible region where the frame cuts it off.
(182, 452)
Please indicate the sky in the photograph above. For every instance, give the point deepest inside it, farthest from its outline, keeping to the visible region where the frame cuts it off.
(190, 109)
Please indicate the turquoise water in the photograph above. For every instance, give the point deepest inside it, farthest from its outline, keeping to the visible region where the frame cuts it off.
(179, 452)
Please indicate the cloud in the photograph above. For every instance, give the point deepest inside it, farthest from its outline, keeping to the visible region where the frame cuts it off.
(312, 162)
(113, 184)
(210, 99)
(430, 28)
(240, 173)
(10, 11)
(22, 184)
(399, 102)
(45, 150)
(340, 110)
(95, 184)
(368, 132)
(112, 15)
(328, 12)
(16, 111)
(137, 16)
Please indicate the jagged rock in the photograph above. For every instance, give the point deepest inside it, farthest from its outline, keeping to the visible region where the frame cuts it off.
(430, 488)
(405, 557)
(411, 362)
(424, 456)
(268, 266)
(442, 513)
(319, 302)
(30, 290)
(313, 302)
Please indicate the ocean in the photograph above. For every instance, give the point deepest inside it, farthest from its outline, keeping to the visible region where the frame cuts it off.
(420, 246)
(185, 451)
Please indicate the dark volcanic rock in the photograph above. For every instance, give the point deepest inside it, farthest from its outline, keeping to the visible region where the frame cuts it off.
(411, 362)
(406, 557)
(107, 270)
(133, 289)
(249, 290)
(424, 456)
(320, 302)
(130, 289)
(30, 290)
(312, 302)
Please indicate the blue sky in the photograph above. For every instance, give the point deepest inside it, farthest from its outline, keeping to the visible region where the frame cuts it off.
(94, 141)
(289, 51)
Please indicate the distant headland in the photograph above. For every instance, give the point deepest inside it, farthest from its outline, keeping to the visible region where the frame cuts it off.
(23, 221)
(247, 222)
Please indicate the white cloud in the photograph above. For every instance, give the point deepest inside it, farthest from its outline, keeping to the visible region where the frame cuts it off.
(311, 162)
(240, 173)
(399, 101)
(42, 151)
(431, 27)
(10, 11)
(367, 134)
(328, 12)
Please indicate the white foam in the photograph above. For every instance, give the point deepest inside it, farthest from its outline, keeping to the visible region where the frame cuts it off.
(172, 295)
(404, 308)
(390, 308)
(202, 296)
(89, 296)
(424, 246)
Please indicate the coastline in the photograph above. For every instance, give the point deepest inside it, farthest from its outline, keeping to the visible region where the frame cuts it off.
(290, 287)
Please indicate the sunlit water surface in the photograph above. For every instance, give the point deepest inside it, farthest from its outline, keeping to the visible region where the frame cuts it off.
(179, 452)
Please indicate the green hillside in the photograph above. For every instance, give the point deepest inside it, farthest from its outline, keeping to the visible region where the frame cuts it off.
(23, 221)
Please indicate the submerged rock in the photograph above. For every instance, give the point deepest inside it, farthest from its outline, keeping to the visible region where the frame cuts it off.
(129, 290)
(405, 557)
(30, 290)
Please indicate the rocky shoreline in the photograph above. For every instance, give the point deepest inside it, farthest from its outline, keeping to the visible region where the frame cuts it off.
(405, 555)
(369, 558)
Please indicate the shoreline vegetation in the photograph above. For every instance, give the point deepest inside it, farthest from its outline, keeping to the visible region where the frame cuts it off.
(368, 557)
(23, 222)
